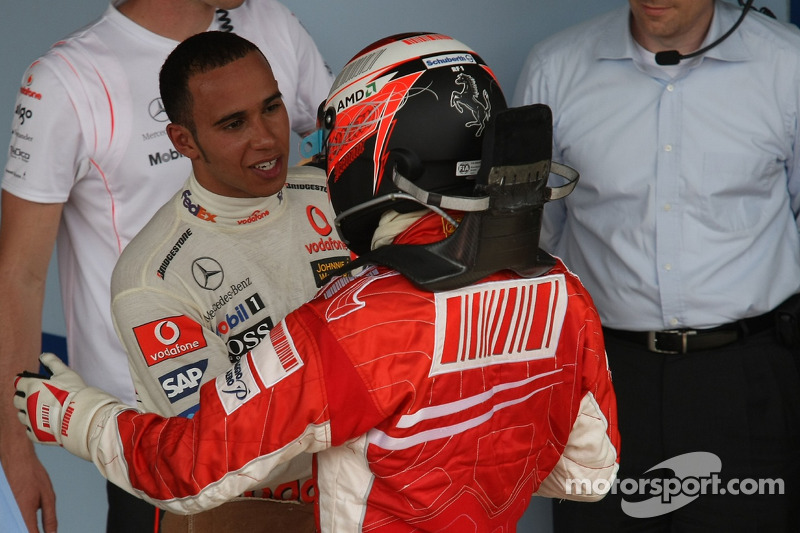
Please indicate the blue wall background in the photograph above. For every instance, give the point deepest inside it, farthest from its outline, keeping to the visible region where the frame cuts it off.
(501, 31)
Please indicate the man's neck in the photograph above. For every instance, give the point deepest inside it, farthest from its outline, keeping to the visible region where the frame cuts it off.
(174, 19)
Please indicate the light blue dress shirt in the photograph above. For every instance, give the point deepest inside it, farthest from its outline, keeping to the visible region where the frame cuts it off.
(686, 211)
(10, 517)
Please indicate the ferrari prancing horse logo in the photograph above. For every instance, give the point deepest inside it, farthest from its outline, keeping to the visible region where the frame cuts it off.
(469, 98)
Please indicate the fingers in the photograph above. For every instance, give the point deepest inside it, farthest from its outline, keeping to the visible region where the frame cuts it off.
(49, 518)
(52, 363)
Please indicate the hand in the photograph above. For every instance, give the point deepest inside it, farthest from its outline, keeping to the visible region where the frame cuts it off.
(58, 410)
(29, 482)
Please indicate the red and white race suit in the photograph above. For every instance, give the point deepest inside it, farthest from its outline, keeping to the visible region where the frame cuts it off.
(426, 411)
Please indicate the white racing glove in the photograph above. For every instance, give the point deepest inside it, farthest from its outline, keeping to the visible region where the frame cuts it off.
(60, 409)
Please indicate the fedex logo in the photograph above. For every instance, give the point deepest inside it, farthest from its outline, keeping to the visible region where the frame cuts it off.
(184, 381)
(196, 209)
(168, 338)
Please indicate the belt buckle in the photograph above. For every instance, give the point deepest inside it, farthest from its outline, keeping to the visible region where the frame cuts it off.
(684, 335)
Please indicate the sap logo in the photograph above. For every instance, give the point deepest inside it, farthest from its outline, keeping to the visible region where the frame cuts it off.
(184, 381)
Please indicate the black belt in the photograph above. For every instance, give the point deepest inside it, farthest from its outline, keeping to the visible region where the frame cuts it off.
(678, 341)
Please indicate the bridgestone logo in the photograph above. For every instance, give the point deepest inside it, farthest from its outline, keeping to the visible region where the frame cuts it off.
(162, 270)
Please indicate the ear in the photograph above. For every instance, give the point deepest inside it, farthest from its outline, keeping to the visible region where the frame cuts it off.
(183, 140)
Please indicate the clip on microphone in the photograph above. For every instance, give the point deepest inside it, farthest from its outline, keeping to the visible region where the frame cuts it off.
(673, 57)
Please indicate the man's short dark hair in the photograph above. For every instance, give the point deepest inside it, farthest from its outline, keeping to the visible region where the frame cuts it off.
(196, 55)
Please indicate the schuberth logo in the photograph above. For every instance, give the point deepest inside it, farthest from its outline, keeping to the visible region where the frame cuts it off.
(168, 338)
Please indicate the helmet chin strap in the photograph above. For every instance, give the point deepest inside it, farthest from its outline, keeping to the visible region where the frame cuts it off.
(500, 229)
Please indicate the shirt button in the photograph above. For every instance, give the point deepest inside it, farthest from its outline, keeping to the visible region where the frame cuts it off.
(667, 207)
(670, 87)
(667, 147)
(673, 321)
(668, 266)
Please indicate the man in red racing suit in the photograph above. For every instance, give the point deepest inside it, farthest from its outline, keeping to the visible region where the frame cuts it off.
(427, 410)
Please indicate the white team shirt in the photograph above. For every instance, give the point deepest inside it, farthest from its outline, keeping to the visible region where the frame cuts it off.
(89, 132)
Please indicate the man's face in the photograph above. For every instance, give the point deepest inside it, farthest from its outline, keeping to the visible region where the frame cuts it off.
(240, 147)
(671, 24)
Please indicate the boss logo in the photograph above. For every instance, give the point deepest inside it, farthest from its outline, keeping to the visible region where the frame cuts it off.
(240, 344)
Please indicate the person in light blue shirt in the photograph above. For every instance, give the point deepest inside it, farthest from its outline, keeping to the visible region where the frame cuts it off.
(10, 517)
(684, 228)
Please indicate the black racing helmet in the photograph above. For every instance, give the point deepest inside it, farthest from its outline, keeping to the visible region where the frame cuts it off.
(419, 103)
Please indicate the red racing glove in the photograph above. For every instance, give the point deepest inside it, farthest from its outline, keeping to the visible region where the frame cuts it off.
(60, 409)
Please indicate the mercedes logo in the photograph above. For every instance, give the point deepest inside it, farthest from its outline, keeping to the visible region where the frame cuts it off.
(156, 109)
(207, 273)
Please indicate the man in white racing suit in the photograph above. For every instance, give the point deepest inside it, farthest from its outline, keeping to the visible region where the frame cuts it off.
(230, 254)
(441, 387)
(89, 163)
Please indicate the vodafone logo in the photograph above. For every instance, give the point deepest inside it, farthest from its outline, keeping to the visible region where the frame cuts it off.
(169, 337)
(167, 332)
(318, 220)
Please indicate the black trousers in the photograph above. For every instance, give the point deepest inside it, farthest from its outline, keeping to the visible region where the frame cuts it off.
(129, 514)
(740, 402)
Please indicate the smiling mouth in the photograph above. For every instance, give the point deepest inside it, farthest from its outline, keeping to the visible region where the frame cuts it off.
(267, 165)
